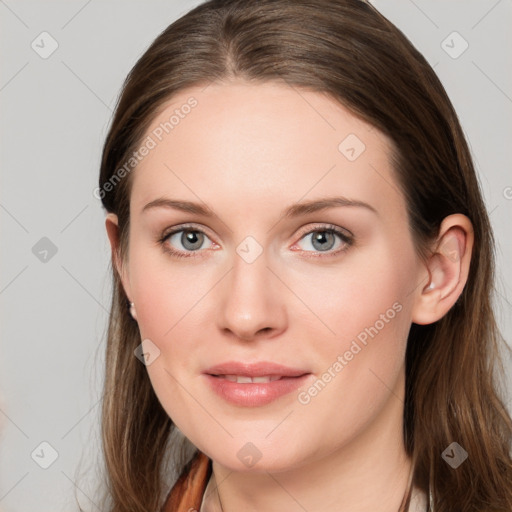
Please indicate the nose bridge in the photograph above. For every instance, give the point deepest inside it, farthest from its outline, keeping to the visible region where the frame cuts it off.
(250, 300)
(250, 270)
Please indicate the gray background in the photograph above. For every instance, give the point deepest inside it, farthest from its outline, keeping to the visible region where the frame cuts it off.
(54, 117)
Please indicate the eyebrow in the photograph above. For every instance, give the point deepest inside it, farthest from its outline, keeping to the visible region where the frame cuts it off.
(292, 211)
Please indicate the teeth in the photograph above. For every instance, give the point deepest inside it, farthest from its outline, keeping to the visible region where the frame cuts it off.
(262, 379)
(242, 379)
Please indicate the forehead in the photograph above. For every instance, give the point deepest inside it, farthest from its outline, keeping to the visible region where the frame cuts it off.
(249, 143)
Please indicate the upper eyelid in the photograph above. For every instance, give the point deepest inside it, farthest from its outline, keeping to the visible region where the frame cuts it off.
(185, 227)
(326, 226)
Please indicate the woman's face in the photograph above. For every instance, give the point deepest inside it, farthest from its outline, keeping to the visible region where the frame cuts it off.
(260, 280)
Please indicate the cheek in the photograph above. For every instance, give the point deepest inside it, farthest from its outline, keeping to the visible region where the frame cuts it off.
(367, 296)
(168, 304)
(361, 364)
(165, 292)
(368, 309)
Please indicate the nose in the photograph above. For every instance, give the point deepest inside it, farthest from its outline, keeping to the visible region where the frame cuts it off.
(252, 301)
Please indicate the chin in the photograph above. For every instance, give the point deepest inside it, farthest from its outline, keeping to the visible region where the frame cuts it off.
(248, 458)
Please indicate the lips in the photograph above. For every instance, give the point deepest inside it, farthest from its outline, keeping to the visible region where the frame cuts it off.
(260, 369)
(243, 379)
(254, 384)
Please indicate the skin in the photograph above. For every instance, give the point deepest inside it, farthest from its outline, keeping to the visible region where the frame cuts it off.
(247, 151)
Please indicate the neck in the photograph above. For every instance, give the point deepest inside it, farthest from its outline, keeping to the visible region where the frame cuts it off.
(371, 473)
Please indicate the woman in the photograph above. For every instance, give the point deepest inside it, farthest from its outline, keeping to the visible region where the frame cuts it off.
(268, 371)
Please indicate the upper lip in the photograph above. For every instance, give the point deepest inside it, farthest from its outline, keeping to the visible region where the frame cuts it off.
(259, 369)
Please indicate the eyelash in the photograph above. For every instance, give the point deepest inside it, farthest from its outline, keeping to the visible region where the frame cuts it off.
(326, 228)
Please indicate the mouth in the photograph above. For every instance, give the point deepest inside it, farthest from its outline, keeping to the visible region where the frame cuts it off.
(261, 369)
(244, 379)
(256, 384)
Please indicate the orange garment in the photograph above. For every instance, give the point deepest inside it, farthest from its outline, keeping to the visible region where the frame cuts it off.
(187, 493)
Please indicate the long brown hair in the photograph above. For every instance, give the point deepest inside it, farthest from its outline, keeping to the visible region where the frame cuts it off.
(348, 50)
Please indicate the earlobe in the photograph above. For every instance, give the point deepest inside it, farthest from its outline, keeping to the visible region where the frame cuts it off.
(447, 270)
(132, 311)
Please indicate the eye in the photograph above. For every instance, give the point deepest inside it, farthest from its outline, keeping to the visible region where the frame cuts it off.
(189, 237)
(323, 239)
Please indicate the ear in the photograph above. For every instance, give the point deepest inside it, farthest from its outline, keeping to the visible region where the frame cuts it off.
(447, 270)
(112, 226)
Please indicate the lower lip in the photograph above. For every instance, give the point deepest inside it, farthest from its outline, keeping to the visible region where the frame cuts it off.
(254, 394)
